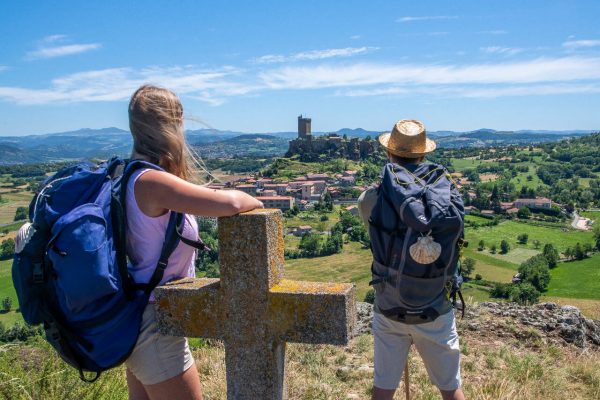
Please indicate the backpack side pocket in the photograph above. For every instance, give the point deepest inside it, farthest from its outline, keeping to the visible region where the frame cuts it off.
(81, 258)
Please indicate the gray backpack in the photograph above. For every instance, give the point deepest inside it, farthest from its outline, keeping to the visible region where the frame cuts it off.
(416, 229)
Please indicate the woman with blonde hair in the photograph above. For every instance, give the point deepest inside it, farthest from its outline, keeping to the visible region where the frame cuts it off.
(162, 366)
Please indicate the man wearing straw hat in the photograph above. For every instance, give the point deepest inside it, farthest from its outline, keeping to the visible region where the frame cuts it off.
(434, 332)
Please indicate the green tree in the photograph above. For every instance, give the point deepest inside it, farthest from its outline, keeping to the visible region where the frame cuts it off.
(535, 271)
(568, 253)
(310, 244)
(524, 213)
(327, 202)
(500, 290)
(524, 293)
(333, 244)
(6, 304)
(504, 247)
(578, 252)
(467, 267)
(7, 248)
(493, 249)
(481, 245)
(21, 213)
(536, 244)
(523, 238)
(551, 255)
(597, 236)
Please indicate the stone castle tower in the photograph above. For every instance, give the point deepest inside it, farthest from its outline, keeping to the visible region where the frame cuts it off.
(304, 131)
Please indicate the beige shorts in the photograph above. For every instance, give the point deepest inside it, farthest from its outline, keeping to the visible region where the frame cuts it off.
(158, 357)
(436, 342)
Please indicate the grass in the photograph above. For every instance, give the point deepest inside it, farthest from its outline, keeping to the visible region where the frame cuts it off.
(509, 230)
(461, 164)
(313, 218)
(352, 265)
(521, 179)
(491, 369)
(13, 201)
(593, 215)
(579, 279)
(8, 290)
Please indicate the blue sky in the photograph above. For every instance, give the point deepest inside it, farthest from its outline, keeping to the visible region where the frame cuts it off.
(253, 66)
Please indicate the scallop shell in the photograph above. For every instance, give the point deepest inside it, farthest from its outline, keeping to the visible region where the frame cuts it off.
(425, 251)
(23, 236)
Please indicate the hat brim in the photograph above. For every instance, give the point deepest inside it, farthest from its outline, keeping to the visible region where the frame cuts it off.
(384, 139)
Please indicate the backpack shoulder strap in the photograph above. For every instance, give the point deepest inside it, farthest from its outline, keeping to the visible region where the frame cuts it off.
(173, 233)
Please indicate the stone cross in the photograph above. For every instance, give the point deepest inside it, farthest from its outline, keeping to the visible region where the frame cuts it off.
(253, 309)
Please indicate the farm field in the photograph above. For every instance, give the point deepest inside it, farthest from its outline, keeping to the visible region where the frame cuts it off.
(10, 204)
(579, 279)
(593, 215)
(7, 290)
(352, 265)
(461, 164)
(521, 178)
(509, 230)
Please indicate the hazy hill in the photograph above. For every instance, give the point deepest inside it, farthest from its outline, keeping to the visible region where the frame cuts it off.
(107, 142)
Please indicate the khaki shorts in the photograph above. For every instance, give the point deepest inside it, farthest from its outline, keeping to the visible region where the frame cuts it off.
(158, 357)
(436, 342)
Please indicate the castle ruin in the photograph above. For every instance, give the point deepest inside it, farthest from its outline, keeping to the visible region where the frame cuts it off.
(310, 147)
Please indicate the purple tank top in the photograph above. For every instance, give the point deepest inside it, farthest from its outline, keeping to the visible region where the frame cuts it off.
(145, 236)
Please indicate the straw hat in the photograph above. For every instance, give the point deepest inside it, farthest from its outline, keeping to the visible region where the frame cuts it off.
(407, 139)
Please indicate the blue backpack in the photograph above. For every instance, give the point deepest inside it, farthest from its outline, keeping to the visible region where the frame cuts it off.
(416, 231)
(72, 273)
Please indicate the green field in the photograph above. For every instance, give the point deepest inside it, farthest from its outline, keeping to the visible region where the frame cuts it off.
(11, 202)
(593, 215)
(7, 289)
(461, 164)
(521, 178)
(313, 219)
(509, 230)
(352, 265)
(580, 279)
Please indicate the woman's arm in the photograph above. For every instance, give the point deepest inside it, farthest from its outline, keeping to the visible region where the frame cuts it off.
(157, 191)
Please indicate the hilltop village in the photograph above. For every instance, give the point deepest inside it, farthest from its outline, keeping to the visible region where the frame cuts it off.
(306, 191)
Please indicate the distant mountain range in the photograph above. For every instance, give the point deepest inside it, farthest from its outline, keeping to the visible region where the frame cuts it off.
(107, 142)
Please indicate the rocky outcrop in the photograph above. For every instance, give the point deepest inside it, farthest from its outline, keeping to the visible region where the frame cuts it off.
(566, 322)
(557, 323)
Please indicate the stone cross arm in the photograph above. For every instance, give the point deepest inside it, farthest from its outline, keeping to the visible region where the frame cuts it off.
(301, 312)
(253, 309)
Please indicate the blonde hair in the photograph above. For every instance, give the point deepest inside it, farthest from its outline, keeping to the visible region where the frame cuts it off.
(156, 124)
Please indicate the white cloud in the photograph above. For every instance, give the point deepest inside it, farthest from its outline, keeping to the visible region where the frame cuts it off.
(426, 18)
(476, 92)
(54, 38)
(117, 84)
(355, 37)
(60, 51)
(508, 51)
(315, 55)
(541, 76)
(538, 70)
(577, 44)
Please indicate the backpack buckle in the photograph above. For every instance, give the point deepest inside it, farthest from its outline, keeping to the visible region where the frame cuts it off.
(162, 264)
(38, 273)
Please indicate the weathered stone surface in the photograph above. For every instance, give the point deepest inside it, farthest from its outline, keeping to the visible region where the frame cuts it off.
(301, 311)
(253, 310)
(190, 307)
(552, 322)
